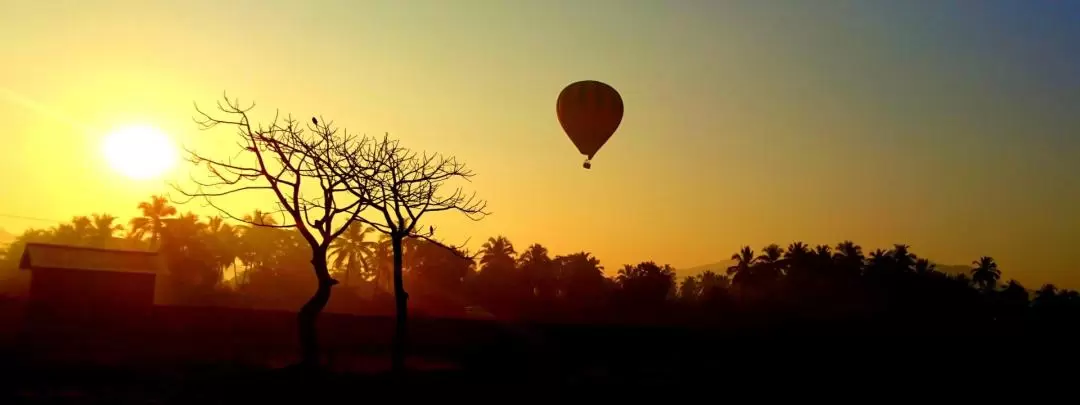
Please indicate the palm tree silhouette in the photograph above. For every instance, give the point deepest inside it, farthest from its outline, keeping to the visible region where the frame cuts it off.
(498, 253)
(770, 261)
(258, 217)
(902, 258)
(985, 274)
(849, 257)
(104, 228)
(924, 266)
(150, 222)
(879, 263)
(78, 232)
(741, 271)
(352, 249)
(224, 242)
(537, 267)
(797, 252)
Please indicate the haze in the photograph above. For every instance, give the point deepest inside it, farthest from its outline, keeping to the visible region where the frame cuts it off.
(949, 126)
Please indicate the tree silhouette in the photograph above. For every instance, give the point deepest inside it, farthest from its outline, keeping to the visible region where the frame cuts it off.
(78, 232)
(769, 263)
(581, 281)
(849, 257)
(902, 258)
(645, 285)
(923, 266)
(223, 241)
(714, 287)
(497, 253)
(401, 187)
(539, 271)
(742, 272)
(352, 251)
(690, 290)
(985, 273)
(295, 167)
(192, 265)
(797, 262)
(879, 264)
(150, 223)
(820, 286)
(104, 227)
(498, 283)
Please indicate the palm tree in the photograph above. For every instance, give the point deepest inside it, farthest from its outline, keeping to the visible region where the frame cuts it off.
(924, 266)
(497, 253)
(823, 259)
(771, 254)
(879, 262)
(183, 231)
(104, 228)
(352, 249)
(260, 218)
(849, 256)
(740, 272)
(536, 253)
(902, 257)
(224, 242)
(770, 261)
(383, 262)
(538, 269)
(581, 278)
(712, 283)
(985, 274)
(690, 289)
(796, 252)
(150, 222)
(78, 232)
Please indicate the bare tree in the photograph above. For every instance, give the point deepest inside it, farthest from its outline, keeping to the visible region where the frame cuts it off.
(400, 187)
(296, 168)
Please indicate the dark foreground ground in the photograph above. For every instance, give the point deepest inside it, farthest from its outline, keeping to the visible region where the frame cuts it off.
(210, 356)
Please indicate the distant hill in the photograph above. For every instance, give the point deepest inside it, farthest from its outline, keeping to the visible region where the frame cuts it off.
(718, 268)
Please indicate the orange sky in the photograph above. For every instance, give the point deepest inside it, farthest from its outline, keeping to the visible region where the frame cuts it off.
(746, 122)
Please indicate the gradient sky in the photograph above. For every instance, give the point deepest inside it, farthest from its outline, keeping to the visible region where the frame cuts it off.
(950, 126)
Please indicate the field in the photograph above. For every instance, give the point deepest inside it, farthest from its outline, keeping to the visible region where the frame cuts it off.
(217, 355)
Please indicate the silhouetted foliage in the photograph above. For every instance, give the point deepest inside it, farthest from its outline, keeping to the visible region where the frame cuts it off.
(399, 187)
(295, 167)
(244, 264)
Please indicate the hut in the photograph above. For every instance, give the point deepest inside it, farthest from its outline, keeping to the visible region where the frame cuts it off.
(74, 277)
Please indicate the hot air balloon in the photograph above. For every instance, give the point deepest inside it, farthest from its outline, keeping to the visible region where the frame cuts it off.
(589, 112)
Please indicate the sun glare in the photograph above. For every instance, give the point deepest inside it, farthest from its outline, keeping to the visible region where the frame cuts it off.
(140, 152)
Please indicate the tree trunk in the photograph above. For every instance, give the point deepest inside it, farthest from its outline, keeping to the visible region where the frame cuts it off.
(309, 313)
(348, 271)
(401, 301)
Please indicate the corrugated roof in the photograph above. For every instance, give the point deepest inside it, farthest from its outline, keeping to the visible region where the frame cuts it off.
(41, 255)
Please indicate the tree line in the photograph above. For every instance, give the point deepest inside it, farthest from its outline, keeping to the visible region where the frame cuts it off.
(215, 261)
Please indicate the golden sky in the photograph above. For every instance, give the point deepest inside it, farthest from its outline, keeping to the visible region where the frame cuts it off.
(952, 128)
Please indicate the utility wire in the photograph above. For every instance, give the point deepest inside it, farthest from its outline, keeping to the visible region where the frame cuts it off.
(30, 218)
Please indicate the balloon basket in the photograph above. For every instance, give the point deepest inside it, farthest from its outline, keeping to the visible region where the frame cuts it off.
(587, 164)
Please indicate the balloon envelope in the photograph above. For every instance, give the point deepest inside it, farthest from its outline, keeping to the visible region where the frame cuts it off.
(590, 112)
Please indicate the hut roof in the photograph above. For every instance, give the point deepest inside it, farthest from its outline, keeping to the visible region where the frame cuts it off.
(43, 255)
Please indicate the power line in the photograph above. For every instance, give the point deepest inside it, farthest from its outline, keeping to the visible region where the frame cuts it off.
(30, 218)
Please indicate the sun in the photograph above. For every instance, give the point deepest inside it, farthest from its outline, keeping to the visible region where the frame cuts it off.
(140, 152)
